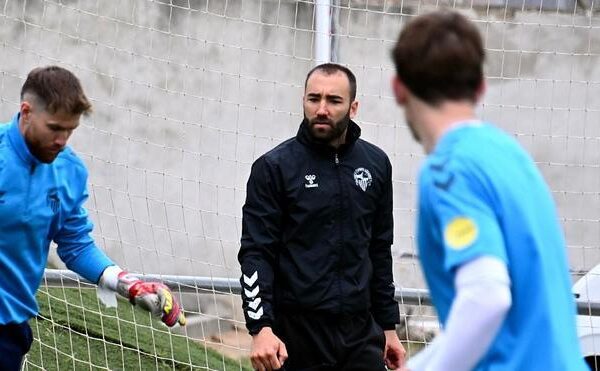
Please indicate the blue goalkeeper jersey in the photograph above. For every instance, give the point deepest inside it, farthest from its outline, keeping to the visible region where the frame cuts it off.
(40, 203)
(480, 194)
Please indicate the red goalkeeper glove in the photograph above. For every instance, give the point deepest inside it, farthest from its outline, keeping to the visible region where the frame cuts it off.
(154, 297)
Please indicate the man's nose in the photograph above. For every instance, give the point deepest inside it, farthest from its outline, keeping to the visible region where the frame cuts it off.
(61, 139)
(322, 110)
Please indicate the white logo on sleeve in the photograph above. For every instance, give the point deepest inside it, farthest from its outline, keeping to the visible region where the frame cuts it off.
(254, 303)
(249, 281)
(254, 310)
(257, 314)
(363, 178)
(310, 181)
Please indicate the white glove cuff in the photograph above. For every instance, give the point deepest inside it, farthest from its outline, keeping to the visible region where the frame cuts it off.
(110, 277)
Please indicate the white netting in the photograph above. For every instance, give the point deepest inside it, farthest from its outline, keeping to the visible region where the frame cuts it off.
(188, 93)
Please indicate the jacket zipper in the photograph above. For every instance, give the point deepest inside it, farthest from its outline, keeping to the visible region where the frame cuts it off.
(340, 226)
(31, 170)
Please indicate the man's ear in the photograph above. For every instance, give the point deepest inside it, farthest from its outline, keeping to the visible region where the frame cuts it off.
(353, 109)
(25, 109)
(400, 90)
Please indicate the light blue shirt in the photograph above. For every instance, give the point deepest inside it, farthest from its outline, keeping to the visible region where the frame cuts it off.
(480, 194)
(40, 203)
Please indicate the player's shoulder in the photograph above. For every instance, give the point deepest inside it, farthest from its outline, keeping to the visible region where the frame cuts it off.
(466, 152)
(483, 138)
(3, 135)
(285, 152)
(4, 126)
(4, 138)
(70, 163)
(372, 149)
(471, 145)
(282, 153)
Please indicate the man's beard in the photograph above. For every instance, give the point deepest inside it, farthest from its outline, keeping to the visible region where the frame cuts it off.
(45, 156)
(337, 128)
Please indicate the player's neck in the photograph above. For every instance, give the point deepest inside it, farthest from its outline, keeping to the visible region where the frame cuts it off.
(436, 121)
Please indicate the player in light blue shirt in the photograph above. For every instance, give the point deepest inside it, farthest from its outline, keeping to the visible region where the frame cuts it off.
(490, 244)
(42, 194)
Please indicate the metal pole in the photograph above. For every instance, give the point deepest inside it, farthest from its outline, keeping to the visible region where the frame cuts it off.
(209, 285)
(187, 284)
(322, 31)
(335, 26)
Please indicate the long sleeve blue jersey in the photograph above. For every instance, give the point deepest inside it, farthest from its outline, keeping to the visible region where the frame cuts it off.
(40, 203)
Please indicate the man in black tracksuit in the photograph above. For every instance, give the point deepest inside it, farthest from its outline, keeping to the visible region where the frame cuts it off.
(315, 253)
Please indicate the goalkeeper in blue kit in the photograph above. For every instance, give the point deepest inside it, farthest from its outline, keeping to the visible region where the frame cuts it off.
(489, 241)
(42, 192)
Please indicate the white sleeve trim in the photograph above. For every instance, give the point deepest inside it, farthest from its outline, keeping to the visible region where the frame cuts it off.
(485, 268)
(482, 302)
(419, 361)
(110, 277)
(107, 286)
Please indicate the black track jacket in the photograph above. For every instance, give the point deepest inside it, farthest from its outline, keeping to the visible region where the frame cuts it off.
(317, 230)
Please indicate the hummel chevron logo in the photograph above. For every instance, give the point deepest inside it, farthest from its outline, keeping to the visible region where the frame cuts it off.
(251, 294)
(440, 165)
(254, 303)
(445, 184)
(254, 311)
(255, 315)
(250, 280)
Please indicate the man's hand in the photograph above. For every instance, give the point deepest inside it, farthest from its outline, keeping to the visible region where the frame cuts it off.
(394, 352)
(268, 352)
(154, 297)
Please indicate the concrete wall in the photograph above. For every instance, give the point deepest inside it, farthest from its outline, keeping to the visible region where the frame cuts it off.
(187, 95)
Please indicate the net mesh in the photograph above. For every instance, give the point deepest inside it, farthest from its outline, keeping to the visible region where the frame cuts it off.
(187, 94)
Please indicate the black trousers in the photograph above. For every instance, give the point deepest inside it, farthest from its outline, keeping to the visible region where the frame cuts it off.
(321, 342)
(15, 341)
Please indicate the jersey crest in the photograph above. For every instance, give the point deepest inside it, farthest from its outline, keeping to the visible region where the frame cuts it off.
(363, 178)
(460, 233)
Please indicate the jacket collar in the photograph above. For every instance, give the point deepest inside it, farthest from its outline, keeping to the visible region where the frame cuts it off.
(18, 142)
(304, 136)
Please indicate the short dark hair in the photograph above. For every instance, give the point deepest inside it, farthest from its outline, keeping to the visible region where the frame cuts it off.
(57, 90)
(439, 56)
(330, 69)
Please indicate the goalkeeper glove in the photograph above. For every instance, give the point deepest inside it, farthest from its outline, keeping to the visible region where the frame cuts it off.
(154, 297)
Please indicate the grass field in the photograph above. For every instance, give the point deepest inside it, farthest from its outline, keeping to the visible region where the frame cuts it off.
(74, 332)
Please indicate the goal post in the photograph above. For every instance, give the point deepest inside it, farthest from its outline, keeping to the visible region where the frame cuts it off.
(188, 93)
(230, 286)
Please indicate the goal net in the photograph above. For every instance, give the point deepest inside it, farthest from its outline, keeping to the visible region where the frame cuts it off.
(188, 93)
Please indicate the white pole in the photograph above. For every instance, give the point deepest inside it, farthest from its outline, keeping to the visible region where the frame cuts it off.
(204, 285)
(322, 31)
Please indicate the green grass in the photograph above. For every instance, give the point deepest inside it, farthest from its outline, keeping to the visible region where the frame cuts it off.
(74, 332)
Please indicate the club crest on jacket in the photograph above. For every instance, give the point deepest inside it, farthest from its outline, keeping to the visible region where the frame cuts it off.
(363, 178)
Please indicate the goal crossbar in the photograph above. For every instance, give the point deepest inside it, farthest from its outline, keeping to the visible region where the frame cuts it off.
(197, 284)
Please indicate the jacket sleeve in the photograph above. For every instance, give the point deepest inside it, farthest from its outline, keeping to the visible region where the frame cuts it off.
(383, 306)
(75, 245)
(261, 240)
